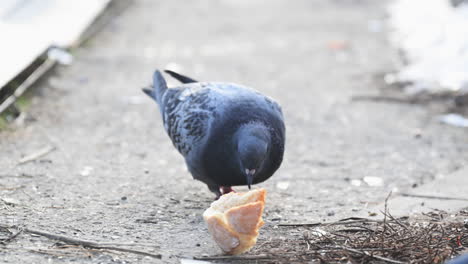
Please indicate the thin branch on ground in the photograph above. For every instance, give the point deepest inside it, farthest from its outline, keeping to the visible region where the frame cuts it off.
(228, 257)
(11, 237)
(85, 243)
(384, 98)
(36, 155)
(340, 222)
(371, 255)
(385, 219)
(433, 197)
(402, 240)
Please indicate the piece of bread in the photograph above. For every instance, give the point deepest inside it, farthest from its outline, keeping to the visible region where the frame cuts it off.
(234, 220)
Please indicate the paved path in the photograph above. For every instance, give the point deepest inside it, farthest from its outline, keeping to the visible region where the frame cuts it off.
(114, 175)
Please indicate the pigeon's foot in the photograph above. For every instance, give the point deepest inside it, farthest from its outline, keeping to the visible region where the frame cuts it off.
(219, 191)
(226, 189)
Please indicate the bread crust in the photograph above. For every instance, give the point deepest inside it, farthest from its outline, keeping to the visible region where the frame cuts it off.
(234, 220)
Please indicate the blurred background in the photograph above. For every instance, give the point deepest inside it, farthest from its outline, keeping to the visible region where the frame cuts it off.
(38, 34)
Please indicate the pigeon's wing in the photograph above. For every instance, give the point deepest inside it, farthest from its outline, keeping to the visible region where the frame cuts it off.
(188, 111)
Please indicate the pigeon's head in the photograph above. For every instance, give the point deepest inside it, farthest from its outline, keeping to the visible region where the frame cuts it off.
(253, 142)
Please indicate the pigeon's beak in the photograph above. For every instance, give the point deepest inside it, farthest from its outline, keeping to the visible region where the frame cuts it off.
(250, 175)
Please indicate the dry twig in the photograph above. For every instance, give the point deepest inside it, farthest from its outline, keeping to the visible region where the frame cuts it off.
(434, 197)
(11, 237)
(243, 257)
(85, 243)
(36, 155)
(341, 222)
(371, 255)
(392, 240)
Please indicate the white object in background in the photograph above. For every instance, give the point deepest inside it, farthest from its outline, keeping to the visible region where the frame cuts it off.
(282, 185)
(373, 181)
(434, 38)
(60, 55)
(29, 27)
(454, 120)
(356, 182)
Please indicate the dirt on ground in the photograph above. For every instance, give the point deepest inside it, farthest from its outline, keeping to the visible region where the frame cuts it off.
(111, 175)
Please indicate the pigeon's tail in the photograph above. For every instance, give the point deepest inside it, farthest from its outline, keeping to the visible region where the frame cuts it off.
(181, 78)
(159, 87)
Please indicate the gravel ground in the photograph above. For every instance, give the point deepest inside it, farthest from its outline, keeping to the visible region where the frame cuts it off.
(115, 177)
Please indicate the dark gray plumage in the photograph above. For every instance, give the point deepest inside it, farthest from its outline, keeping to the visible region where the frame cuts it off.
(463, 259)
(228, 134)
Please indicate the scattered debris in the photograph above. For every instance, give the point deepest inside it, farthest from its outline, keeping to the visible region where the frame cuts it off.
(373, 181)
(150, 220)
(62, 251)
(457, 98)
(282, 185)
(60, 55)
(86, 171)
(193, 261)
(384, 98)
(434, 197)
(84, 243)
(347, 221)
(241, 257)
(428, 239)
(10, 201)
(318, 232)
(36, 155)
(356, 182)
(11, 237)
(21, 175)
(12, 188)
(454, 120)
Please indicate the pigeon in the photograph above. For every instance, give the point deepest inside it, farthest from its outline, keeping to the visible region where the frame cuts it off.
(229, 134)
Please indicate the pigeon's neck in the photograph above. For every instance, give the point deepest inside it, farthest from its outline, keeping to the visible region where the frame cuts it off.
(252, 146)
(256, 131)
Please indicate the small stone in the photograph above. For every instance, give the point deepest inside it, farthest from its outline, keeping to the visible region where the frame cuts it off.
(373, 181)
(356, 183)
(10, 201)
(123, 198)
(282, 185)
(86, 171)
